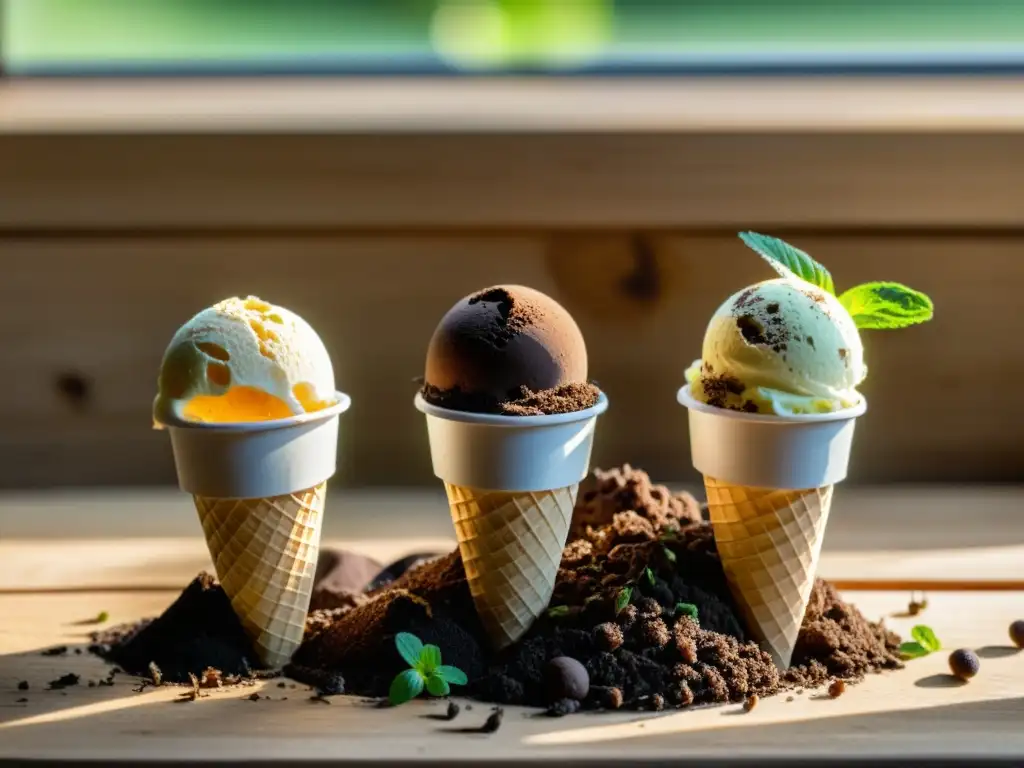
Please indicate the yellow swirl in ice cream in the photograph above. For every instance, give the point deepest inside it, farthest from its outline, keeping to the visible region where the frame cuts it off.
(781, 346)
(243, 360)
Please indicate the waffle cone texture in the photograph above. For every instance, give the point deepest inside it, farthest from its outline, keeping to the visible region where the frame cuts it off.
(264, 552)
(511, 545)
(769, 542)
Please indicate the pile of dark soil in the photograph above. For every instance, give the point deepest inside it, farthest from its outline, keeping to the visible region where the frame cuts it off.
(639, 563)
(638, 559)
(199, 630)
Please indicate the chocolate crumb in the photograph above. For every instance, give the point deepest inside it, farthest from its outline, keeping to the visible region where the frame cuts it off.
(751, 330)
(254, 697)
(772, 308)
(22, 700)
(60, 650)
(23, 685)
(452, 712)
(567, 398)
(789, 698)
(836, 689)
(750, 703)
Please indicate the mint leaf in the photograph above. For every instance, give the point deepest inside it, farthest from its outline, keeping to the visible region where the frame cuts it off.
(436, 686)
(452, 675)
(409, 647)
(669, 554)
(558, 611)
(926, 638)
(622, 600)
(686, 609)
(912, 650)
(789, 261)
(406, 686)
(649, 575)
(878, 306)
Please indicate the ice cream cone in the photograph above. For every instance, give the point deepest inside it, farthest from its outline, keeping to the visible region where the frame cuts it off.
(511, 545)
(769, 541)
(265, 551)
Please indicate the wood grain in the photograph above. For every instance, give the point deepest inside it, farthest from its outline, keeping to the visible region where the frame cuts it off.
(916, 715)
(878, 538)
(654, 179)
(77, 381)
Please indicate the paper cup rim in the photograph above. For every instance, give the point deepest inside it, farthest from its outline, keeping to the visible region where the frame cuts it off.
(503, 420)
(342, 404)
(685, 398)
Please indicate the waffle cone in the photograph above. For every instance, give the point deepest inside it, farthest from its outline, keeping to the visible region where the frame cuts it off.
(511, 545)
(769, 542)
(264, 552)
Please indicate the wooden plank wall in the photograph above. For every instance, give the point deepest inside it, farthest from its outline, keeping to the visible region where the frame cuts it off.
(85, 316)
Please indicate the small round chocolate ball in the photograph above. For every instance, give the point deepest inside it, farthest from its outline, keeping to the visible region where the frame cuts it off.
(964, 663)
(1017, 633)
(566, 678)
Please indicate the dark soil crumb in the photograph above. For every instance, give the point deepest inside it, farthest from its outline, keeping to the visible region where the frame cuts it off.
(493, 721)
(64, 681)
(836, 641)
(22, 700)
(23, 685)
(60, 650)
(837, 689)
(750, 703)
(324, 682)
(254, 697)
(563, 707)
(567, 398)
(199, 630)
(452, 712)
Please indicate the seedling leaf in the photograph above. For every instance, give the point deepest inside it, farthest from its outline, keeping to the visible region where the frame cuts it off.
(437, 686)
(912, 650)
(406, 686)
(452, 675)
(409, 647)
(430, 660)
(926, 637)
(686, 609)
(622, 600)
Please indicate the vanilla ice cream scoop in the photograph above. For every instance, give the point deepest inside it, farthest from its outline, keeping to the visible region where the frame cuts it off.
(243, 360)
(780, 346)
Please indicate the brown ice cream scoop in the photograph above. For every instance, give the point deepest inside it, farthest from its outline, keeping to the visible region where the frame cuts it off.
(492, 344)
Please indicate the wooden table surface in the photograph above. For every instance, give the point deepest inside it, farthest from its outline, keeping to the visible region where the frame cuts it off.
(48, 584)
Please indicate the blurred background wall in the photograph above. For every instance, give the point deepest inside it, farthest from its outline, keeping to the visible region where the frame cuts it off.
(109, 241)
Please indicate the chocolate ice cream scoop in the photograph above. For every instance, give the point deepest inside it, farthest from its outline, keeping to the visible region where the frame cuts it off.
(502, 345)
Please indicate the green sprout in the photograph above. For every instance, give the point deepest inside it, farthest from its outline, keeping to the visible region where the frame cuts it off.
(622, 599)
(426, 671)
(669, 554)
(558, 611)
(875, 306)
(686, 609)
(649, 575)
(924, 642)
